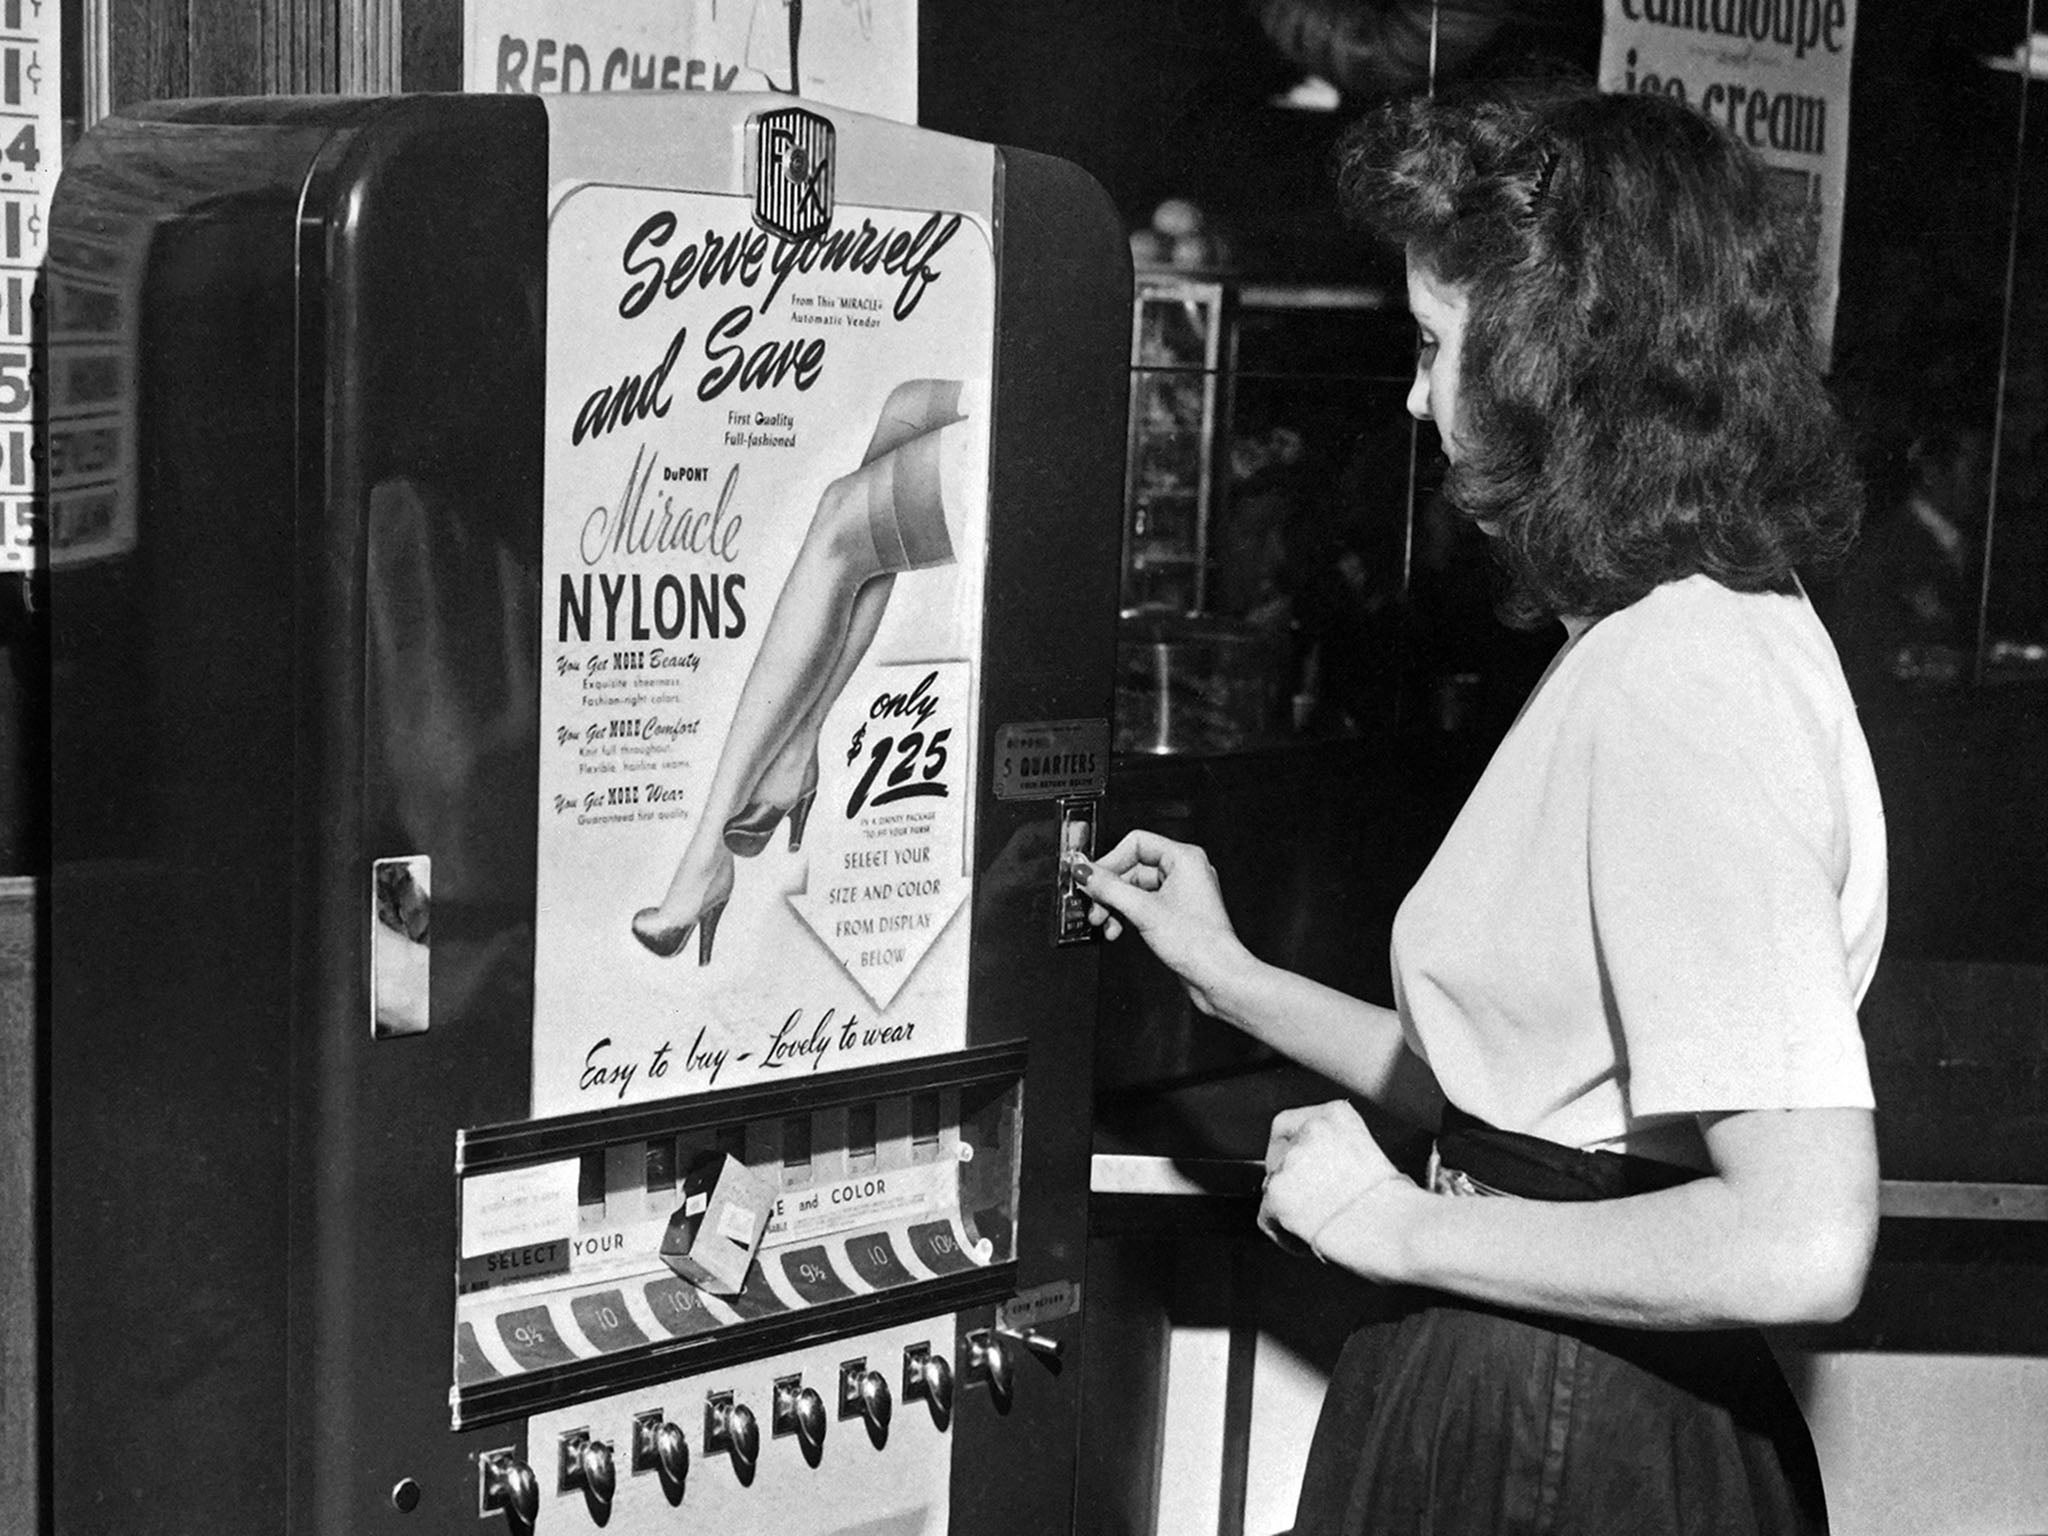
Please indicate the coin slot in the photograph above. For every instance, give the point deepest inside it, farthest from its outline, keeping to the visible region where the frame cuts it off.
(1070, 903)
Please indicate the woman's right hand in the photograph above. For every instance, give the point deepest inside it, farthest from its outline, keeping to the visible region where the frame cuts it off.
(1167, 891)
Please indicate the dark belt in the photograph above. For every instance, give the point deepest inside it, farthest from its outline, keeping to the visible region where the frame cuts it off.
(1475, 1158)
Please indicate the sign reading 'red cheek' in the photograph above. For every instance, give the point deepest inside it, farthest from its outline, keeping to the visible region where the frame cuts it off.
(766, 504)
(860, 55)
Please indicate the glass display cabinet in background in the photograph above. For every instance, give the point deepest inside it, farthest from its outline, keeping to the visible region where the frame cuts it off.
(1176, 346)
(1270, 511)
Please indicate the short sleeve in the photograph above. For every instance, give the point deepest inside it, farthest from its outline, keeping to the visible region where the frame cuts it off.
(1716, 855)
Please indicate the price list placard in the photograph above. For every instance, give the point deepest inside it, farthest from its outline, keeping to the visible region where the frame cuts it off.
(31, 130)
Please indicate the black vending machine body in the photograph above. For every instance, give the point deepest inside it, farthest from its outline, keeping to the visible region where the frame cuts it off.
(462, 504)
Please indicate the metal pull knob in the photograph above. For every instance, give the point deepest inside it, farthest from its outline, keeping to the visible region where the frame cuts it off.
(875, 1402)
(509, 1484)
(987, 1358)
(938, 1384)
(743, 1431)
(672, 1454)
(1042, 1345)
(600, 1472)
(810, 1422)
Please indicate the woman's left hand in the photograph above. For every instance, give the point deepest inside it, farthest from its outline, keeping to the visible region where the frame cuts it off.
(1322, 1162)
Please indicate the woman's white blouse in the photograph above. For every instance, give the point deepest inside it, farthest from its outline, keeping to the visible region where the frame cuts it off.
(1666, 895)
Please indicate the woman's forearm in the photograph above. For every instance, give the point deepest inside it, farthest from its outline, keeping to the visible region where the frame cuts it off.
(1353, 1043)
(1168, 892)
(1781, 1234)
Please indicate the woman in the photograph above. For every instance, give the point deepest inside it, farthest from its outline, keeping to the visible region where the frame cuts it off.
(1628, 981)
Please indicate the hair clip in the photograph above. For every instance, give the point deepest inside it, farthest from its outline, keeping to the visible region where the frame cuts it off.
(1542, 188)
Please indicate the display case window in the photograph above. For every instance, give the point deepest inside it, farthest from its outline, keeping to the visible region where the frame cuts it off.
(590, 1245)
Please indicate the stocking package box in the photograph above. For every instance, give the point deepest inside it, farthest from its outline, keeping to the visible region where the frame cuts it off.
(714, 1234)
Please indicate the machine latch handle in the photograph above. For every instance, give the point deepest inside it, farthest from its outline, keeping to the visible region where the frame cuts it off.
(1046, 1347)
(672, 1454)
(509, 1484)
(987, 1358)
(744, 1432)
(875, 1402)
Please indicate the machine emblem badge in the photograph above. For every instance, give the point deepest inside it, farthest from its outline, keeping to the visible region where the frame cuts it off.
(794, 156)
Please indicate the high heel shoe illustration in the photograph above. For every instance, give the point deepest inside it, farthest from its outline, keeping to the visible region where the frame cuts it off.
(664, 937)
(754, 826)
(788, 788)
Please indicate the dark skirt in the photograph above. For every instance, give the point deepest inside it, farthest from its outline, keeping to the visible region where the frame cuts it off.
(1447, 1417)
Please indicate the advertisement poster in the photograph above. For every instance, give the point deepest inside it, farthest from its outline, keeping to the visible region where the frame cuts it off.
(857, 54)
(1775, 73)
(766, 504)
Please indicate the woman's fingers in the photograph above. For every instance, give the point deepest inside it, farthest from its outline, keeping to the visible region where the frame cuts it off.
(1115, 894)
(1106, 891)
(1167, 893)
(1319, 1159)
(1294, 1130)
(1101, 917)
(1140, 848)
(1288, 1128)
(1289, 1122)
(1122, 856)
(1276, 1230)
(1140, 861)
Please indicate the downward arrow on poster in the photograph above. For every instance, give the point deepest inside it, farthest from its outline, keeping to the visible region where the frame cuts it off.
(887, 850)
(882, 940)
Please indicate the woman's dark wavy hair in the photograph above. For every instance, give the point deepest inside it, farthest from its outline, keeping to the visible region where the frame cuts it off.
(1640, 396)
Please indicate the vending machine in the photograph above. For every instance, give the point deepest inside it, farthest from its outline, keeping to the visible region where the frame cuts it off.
(582, 629)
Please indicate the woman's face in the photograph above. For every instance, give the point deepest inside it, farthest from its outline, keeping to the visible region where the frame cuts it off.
(1439, 309)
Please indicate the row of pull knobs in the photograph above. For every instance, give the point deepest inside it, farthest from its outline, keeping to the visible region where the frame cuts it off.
(660, 1444)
